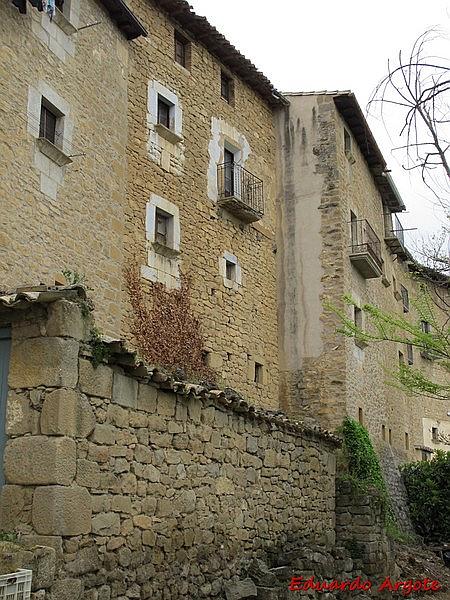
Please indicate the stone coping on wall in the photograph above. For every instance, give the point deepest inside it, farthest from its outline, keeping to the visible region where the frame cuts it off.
(127, 358)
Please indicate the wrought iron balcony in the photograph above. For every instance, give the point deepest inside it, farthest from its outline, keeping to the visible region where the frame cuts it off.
(240, 192)
(365, 249)
(394, 235)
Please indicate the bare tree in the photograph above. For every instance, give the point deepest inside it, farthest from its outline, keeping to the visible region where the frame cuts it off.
(418, 85)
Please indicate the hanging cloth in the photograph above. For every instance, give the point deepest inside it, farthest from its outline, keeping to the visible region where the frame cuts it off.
(49, 7)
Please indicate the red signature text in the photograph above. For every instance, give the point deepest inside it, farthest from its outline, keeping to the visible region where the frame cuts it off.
(299, 584)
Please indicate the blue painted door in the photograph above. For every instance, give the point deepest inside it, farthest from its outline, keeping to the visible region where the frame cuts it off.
(5, 348)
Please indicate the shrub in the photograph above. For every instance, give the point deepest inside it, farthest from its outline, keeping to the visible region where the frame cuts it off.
(428, 487)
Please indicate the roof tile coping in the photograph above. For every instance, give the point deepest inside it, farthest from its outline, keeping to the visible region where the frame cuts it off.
(128, 359)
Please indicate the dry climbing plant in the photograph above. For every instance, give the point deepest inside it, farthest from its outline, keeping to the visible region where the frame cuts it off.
(166, 332)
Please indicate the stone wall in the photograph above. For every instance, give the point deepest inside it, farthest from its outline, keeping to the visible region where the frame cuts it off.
(145, 487)
(232, 314)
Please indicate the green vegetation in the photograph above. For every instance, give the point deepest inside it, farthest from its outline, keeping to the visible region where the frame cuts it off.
(100, 351)
(428, 487)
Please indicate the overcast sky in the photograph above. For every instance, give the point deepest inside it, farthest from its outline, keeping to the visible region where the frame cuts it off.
(302, 46)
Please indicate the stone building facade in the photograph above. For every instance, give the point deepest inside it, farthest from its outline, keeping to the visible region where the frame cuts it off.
(339, 235)
(63, 139)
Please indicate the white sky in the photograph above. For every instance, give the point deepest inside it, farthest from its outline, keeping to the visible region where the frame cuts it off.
(331, 44)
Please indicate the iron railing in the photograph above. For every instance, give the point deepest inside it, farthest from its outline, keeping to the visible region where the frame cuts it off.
(236, 182)
(365, 240)
(394, 228)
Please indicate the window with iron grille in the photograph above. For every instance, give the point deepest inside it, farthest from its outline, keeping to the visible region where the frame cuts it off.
(164, 109)
(405, 298)
(47, 123)
(182, 50)
(226, 87)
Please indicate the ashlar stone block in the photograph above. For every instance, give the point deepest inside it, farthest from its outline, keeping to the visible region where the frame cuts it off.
(95, 381)
(39, 460)
(125, 391)
(65, 320)
(50, 361)
(66, 412)
(61, 510)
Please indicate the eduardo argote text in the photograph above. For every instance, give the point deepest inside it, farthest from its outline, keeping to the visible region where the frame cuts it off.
(299, 584)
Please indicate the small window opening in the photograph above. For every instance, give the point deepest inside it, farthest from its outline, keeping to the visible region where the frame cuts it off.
(383, 432)
(390, 436)
(434, 434)
(424, 455)
(162, 228)
(426, 326)
(354, 229)
(182, 50)
(164, 109)
(406, 441)
(401, 358)
(226, 87)
(410, 353)
(230, 270)
(258, 372)
(47, 124)
(405, 298)
(360, 416)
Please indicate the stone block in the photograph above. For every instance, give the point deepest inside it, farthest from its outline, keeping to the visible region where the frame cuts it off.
(147, 397)
(95, 381)
(52, 362)
(51, 541)
(166, 403)
(66, 589)
(106, 524)
(20, 416)
(125, 391)
(43, 565)
(66, 412)
(14, 500)
(59, 510)
(88, 473)
(104, 434)
(39, 460)
(241, 589)
(86, 561)
(65, 320)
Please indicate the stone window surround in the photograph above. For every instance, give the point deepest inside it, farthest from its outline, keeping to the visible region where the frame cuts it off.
(254, 360)
(232, 284)
(162, 261)
(57, 34)
(155, 91)
(50, 159)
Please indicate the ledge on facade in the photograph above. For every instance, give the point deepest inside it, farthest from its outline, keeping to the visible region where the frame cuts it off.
(63, 22)
(53, 152)
(124, 18)
(168, 134)
(40, 294)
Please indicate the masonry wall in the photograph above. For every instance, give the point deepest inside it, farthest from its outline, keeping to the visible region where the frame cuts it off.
(331, 376)
(146, 488)
(64, 217)
(239, 320)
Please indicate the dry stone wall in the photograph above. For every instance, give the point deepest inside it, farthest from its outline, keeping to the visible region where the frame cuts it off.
(143, 492)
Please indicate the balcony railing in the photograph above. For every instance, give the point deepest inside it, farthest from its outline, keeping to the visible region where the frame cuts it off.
(240, 192)
(394, 234)
(365, 250)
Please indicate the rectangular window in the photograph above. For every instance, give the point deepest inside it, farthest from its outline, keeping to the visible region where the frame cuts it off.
(401, 358)
(182, 50)
(258, 372)
(410, 353)
(426, 326)
(226, 88)
(360, 416)
(47, 124)
(390, 436)
(405, 298)
(424, 455)
(406, 441)
(164, 112)
(354, 229)
(434, 434)
(383, 432)
(162, 225)
(230, 270)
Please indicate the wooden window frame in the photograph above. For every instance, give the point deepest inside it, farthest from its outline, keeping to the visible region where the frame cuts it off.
(48, 122)
(164, 118)
(182, 50)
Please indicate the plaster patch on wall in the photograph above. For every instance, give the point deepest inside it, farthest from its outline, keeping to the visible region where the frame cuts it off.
(224, 135)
